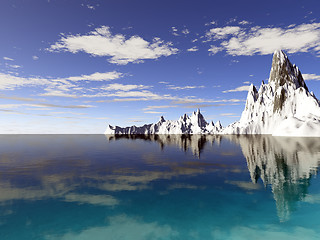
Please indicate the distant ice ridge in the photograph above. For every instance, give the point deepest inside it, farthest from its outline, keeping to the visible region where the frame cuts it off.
(194, 124)
(282, 107)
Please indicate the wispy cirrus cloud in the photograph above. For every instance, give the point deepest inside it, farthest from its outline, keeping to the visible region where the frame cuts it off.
(153, 112)
(259, 40)
(311, 76)
(123, 87)
(244, 22)
(148, 108)
(190, 100)
(238, 89)
(8, 59)
(97, 76)
(63, 87)
(18, 98)
(214, 49)
(193, 49)
(221, 33)
(40, 105)
(119, 49)
(184, 87)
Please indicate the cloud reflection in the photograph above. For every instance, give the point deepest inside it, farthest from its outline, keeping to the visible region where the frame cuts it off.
(125, 228)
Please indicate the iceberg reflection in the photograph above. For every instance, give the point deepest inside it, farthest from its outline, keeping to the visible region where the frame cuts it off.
(286, 164)
(171, 184)
(195, 142)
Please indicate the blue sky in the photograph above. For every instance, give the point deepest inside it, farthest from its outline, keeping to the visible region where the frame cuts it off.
(74, 66)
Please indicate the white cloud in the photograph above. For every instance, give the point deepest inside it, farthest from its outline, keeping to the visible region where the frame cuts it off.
(91, 7)
(187, 101)
(35, 57)
(10, 82)
(238, 89)
(198, 106)
(238, 41)
(123, 87)
(244, 22)
(14, 66)
(73, 87)
(227, 114)
(72, 113)
(246, 82)
(159, 107)
(8, 59)
(193, 49)
(42, 105)
(214, 49)
(101, 42)
(185, 31)
(184, 87)
(153, 112)
(98, 76)
(220, 33)
(211, 23)
(311, 76)
(174, 29)
(18, 98)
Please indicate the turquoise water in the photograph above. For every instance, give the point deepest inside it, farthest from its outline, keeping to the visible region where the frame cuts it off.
(158, 187)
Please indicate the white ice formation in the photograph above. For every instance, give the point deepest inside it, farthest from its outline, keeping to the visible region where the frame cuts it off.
(282, 107)
(194, 124)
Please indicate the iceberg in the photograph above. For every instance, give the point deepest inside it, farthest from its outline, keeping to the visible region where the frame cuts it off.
(194, 124)
(282, 107)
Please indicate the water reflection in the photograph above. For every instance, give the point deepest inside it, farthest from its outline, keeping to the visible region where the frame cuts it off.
(286, 164)
(148, 180)
(60, 167)
(195, 143)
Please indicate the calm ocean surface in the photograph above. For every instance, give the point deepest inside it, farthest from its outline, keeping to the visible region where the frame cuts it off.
(163, 187)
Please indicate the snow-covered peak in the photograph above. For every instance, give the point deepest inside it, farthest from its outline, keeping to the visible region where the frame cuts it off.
(284, 73)
(161, 120)
(195, 124)
(279, 54)
(284, 106)
(197, 119)
(218, 125)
